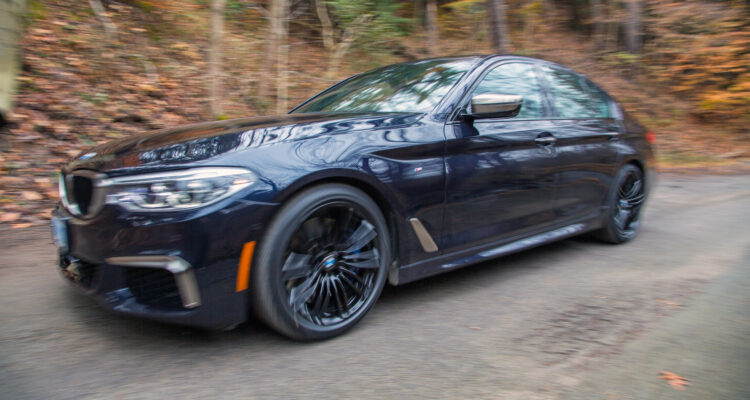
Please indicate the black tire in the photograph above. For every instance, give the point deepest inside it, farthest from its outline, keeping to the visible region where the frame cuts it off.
(625, 201)
(326, 285)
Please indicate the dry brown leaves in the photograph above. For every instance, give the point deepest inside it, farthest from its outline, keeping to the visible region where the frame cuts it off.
(77, 90)
(674, 380)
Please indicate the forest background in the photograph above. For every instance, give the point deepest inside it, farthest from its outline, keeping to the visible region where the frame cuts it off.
(96, 70)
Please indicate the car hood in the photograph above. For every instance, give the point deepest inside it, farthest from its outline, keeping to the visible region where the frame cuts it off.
(200, 142)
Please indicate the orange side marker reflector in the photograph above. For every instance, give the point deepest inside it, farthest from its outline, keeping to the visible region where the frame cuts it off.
(243, 271)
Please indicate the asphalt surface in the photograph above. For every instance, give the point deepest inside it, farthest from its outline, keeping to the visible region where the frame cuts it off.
(576, 319)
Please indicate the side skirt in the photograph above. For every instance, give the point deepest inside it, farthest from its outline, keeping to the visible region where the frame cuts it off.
(449, 262)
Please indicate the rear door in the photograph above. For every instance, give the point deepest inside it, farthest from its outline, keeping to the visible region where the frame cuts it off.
(500, 171)
(587, 139)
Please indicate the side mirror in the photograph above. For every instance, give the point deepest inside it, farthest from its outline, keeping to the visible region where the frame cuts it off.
(495, 105)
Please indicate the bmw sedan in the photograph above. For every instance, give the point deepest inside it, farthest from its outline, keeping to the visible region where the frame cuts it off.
(392, 175)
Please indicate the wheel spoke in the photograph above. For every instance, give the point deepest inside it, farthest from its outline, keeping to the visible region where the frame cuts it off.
(326, 294)
(636, 200)
(364, 234)
(630, 218)
(621, 218)
(352, 274)
(346, 294)
(362, 255)
(635, 189)
(373, 263)
(320, 295)
(300, 294)
(296, 266)
(338, 296)
(351, 285)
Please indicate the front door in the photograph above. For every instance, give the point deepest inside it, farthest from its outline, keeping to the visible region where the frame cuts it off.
(500, 172)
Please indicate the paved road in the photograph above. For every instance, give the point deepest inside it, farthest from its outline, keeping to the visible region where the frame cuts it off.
(576, 319)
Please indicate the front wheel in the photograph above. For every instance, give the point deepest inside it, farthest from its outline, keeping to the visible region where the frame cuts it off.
(626, 199)
(322, 263)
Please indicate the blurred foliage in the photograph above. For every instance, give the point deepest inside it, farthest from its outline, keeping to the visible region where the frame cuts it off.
(35, 10)
(701, 51)
(464, 18)
(374, 23)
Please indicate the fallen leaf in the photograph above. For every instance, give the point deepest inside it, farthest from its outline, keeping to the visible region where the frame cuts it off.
(674, 380)
(669, 303)
(31, 196)
(148, 88)
(43, 181)
(9, 217)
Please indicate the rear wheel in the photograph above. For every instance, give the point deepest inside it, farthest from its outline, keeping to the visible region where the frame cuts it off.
(322, 263)
(625, 202)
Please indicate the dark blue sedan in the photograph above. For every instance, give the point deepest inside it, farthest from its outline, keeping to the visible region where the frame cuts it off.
(396, 174)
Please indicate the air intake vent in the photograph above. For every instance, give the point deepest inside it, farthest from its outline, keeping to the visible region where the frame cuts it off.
(154, 287)
(82, 189)
(80, 194)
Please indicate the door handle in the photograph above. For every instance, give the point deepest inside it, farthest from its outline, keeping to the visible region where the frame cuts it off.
(612, 135)
(545, 140)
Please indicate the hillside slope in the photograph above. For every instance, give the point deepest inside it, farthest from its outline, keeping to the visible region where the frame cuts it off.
(80, 87)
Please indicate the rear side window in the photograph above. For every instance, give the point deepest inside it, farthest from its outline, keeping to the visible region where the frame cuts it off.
(573, 98)
(515, 78)
(600, 100)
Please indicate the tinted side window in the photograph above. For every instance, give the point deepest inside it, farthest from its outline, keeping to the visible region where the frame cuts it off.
(600, 100)
(515, 78)
(572, 98)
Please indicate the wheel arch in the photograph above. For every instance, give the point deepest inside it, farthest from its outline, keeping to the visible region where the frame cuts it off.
(640, 165)
(635, 162)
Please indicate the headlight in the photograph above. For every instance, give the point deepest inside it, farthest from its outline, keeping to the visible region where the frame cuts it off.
(176, 190)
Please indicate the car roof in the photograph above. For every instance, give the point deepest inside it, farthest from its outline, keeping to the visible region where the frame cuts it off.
(484, 58)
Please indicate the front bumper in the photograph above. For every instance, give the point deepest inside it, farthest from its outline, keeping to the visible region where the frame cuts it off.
(177, 268)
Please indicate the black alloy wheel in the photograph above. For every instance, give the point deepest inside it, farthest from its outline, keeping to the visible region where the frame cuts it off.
(626, 201)
(322, 264)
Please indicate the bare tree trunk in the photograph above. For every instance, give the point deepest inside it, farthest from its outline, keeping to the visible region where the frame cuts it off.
(110, 29)
(418, 13)
(432, 27)
(268, 63)
(274, 62)
(325, 24)
(347, 40)
(633, 34)
(612, 35)
(528, 24)
(498, 25)
(597, 16)
(282, 56)
(11, 29)
(547, 11)
(214, 63)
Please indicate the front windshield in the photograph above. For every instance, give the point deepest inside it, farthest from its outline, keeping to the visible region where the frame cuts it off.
(409, 87)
